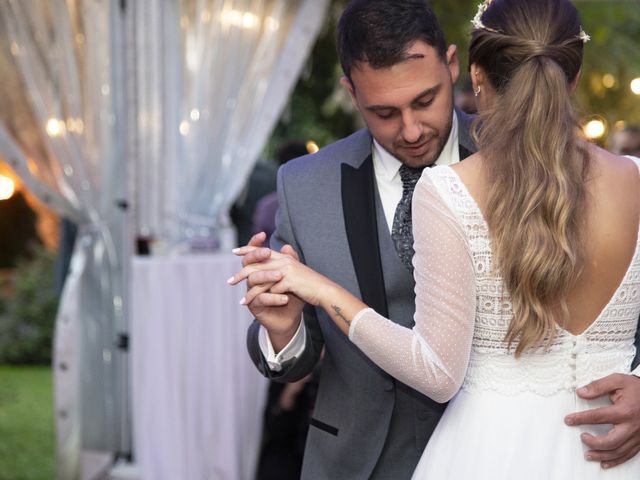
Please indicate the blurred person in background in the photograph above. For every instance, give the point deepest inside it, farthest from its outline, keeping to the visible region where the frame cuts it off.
(264, 217)
(286, 424)
(262, 181)
(626, 141)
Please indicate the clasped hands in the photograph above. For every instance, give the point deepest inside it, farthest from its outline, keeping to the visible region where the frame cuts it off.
(278, 282)
(272, 275)
(278, 286)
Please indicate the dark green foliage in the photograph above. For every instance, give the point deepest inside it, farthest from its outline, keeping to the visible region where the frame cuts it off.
(28, 306)
(318, 109)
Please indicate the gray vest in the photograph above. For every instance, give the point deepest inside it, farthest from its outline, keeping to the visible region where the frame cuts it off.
(414, 417)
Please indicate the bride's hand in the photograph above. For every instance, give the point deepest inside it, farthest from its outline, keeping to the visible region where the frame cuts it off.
(289, 275)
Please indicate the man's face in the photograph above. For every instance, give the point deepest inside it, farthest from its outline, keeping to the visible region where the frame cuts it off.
(409, 106)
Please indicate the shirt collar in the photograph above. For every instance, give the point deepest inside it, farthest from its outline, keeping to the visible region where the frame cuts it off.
(387, 166)
(451, 152)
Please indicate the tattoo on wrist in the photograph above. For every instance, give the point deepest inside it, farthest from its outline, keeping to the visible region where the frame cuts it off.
(338, 312)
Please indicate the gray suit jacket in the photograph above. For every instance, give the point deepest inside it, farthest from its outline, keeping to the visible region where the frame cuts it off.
(365, 424)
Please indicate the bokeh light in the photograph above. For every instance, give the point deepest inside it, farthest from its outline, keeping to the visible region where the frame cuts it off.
(312, 147)
(55, 127)
(7, 187)
(595, 129)
(608, 80)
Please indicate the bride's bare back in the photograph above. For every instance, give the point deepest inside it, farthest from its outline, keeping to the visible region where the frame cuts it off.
(613, 213)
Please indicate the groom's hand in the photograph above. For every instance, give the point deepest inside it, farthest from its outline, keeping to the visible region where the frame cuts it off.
(622, 442)
(279, 315)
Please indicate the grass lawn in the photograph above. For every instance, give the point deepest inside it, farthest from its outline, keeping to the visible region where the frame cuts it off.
(26, 423)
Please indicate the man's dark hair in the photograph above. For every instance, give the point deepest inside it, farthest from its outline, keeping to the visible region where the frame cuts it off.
(379, 32)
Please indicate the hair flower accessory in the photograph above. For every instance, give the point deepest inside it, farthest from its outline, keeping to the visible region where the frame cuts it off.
(583, 36)
(477, 20)
(478, 25)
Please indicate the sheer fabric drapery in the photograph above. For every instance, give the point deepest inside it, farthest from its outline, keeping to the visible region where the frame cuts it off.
(162, 106)
(211, 85)
(61, 134)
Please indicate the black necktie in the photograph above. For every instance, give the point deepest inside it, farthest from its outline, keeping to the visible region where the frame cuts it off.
(401, 232)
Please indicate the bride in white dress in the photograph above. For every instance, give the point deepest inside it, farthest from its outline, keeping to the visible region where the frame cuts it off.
(527, 267)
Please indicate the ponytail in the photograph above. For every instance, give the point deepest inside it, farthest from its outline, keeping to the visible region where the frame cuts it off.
(536, 170)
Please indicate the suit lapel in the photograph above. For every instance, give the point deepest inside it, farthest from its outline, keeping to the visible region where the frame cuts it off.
(358, 204)
(467, 145)
(464, 152)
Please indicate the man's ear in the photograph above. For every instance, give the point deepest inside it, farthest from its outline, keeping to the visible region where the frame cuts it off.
(348, 86)
(452, 62)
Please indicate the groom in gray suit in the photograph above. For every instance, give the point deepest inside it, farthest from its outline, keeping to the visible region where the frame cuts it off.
(346, 212)
(338, 210)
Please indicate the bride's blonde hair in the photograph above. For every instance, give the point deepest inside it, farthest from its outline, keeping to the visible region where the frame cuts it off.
(531, 52)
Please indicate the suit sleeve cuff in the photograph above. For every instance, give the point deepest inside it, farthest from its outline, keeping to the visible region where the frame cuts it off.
(293, 349)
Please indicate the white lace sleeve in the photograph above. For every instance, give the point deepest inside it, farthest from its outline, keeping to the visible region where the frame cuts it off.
(433, 356)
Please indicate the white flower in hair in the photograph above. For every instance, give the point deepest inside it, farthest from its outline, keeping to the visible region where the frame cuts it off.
(477, 20)
(583, 36)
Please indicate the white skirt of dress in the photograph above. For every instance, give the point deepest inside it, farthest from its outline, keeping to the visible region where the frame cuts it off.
(487, 435)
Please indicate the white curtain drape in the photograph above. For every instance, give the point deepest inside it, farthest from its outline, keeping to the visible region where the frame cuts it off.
(149, 113)
(211, 86)
(65, 142)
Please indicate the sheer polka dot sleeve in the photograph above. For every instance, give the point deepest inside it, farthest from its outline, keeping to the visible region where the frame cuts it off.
(433, 356)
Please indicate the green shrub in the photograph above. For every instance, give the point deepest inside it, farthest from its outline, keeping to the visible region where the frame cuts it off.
(28, 306)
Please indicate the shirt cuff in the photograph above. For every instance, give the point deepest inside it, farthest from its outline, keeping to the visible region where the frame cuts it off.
(293, 349)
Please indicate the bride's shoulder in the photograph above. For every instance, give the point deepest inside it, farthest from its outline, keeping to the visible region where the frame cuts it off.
(453, 185)
(472, 164)
(616, 169)
(469, 170)
(614, 183)
(611, 160)
(471, 174)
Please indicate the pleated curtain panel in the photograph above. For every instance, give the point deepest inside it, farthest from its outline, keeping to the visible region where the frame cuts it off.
(136, 119)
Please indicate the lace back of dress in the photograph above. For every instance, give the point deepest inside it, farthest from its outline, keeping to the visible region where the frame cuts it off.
(570, 361)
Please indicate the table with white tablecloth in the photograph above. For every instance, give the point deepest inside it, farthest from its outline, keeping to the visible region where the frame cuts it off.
(197, 398)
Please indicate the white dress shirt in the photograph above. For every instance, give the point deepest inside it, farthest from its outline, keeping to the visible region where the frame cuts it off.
(386, 169)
